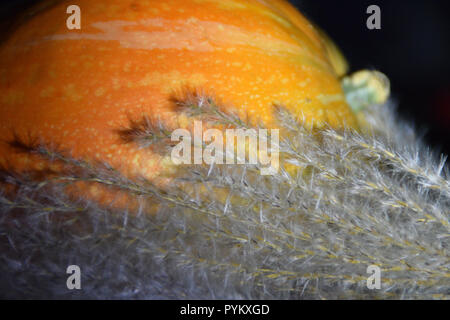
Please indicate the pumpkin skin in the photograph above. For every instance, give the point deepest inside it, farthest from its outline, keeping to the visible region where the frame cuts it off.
(75, 88)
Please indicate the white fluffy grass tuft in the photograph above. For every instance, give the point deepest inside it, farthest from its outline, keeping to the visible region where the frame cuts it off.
(374, 198)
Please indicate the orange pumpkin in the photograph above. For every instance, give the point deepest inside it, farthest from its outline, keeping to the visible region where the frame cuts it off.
(75, 88)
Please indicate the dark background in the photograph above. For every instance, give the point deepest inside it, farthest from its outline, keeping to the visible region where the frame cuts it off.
(412, 48)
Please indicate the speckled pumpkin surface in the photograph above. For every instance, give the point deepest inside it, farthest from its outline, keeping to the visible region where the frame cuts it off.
(75, 88)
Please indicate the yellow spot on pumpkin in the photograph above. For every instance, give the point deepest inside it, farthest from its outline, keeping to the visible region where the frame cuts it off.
(47, 92)
(94, 190)
(99, 92)
(136, 160)
(72, 93)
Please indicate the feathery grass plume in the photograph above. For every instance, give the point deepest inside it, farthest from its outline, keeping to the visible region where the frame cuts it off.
(148, 132)
(340, 201)
(198, 103)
